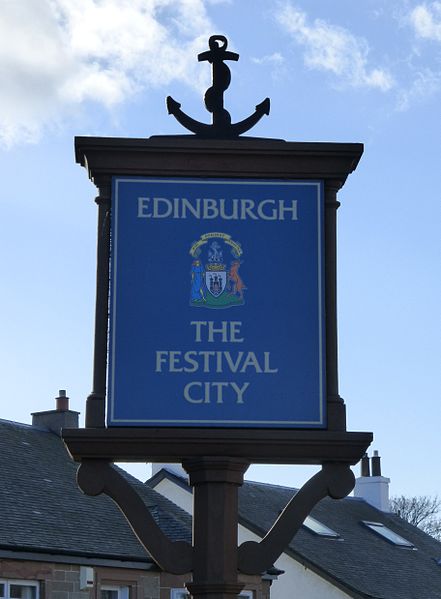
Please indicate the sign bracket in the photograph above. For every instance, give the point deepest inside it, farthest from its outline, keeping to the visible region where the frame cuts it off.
(214, 558)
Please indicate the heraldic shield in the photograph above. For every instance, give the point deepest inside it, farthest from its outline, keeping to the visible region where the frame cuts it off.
(215, 278)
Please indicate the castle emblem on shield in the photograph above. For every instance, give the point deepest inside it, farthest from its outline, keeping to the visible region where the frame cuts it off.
(215, 278)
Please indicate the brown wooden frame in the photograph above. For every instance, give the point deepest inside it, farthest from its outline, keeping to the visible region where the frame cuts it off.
(215, 458)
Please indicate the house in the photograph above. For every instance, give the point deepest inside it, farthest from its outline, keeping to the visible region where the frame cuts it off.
(347, 548)
(56, 543)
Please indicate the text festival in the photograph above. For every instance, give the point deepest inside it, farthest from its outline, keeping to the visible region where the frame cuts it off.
(210, 361)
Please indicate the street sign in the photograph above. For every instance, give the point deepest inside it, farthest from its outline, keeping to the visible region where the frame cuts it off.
(213, 334)
(217, 303)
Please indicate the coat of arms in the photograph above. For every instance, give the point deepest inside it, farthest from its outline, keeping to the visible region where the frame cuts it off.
(215, 279)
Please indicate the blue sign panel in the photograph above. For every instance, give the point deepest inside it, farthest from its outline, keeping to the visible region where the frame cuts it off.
(217, 293)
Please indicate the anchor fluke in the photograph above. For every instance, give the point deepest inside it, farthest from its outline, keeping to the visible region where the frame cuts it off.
(242, 126)
(221, 127)
(200, 129)
(172, 105)
(264, 106)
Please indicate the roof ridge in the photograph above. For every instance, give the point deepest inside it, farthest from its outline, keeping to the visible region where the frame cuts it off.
(24, 425)
(6, 421)
(256, 482)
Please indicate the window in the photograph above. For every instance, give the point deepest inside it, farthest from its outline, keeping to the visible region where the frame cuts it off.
(319, 529)
(183, 594)
(19, 589)
(114, 592)
(388, 534)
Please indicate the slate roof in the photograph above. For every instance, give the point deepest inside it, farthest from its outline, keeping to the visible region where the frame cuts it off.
(361, 563)
(42, 509)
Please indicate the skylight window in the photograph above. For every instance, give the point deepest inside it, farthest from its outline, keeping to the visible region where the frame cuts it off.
(388, 534)
(319, 529)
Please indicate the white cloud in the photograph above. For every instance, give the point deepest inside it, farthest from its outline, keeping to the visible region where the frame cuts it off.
(57, 54)
(426, 20)
(332, 48)
(274, 64)
(426, 84)
(273, 59)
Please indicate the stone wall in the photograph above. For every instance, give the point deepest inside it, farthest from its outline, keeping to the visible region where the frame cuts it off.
(62, 581)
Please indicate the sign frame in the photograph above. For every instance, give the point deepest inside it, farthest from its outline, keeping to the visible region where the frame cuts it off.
(182, 156)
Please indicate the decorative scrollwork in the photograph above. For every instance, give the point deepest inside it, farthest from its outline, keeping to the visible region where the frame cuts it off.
(335, 480)
(97, 476)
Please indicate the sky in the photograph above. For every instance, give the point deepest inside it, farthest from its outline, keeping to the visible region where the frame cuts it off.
(340, 71)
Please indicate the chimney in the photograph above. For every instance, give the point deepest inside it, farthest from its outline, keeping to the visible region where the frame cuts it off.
(365, 468)
(376, 464)
(373, 489)
(55, 420)
(62, 401)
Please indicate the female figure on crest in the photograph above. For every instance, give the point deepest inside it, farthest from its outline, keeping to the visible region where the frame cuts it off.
(197, 281)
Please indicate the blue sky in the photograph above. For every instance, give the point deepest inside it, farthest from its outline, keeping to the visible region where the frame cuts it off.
(344, 71)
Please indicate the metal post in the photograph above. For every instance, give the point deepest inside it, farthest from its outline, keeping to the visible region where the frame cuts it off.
(215, 520)
(336, 406)
(95, 405)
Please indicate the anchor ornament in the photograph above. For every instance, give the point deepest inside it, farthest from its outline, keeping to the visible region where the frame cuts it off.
(221, 127)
